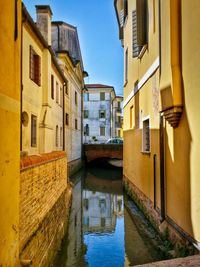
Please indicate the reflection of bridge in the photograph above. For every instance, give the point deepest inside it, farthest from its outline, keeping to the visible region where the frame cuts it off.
(96, 151)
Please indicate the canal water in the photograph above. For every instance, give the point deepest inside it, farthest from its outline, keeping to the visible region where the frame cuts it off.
(106, 229)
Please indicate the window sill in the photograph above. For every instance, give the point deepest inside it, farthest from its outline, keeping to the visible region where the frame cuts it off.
(146, 152)
(143, 50)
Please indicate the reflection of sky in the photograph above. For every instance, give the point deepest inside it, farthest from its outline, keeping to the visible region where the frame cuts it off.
(106, 250)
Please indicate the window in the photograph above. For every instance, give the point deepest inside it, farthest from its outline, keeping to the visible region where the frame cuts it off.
(103, 222)
(86, 96)
(61, 96)
(86, 130)
(86, 114)
(33, 131)
(57, 92)
(126, 65)
(76, 100)
(34, 67)
(102, 96)
(76, 124)
(102, 130)
(125, 9)
(139, 27)
(57, 136)
(119, 133)
(61, 136)
(131, 117)
(146, 136)
(52, 86)
(66, 85)
(66, 118)
(102, 114)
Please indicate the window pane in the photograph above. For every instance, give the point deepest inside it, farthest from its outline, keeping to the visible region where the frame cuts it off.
(102, 96)
(33, 130)
(102, 131)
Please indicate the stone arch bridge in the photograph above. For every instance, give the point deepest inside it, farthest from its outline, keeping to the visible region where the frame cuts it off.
(96, 151)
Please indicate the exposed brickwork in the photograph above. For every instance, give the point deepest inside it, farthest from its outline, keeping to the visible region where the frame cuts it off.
(153, 215)
(93, 152)
(44, 204)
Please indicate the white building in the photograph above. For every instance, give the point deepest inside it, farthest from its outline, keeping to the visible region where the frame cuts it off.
(98, 113)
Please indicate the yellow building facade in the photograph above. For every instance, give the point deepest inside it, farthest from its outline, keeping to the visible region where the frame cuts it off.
(43, 85)
(161, 131)
(10, 73)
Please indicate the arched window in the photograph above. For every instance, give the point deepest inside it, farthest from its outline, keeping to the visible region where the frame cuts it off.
(57, 136)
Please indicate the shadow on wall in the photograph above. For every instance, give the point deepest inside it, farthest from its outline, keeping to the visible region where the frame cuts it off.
(177, 174)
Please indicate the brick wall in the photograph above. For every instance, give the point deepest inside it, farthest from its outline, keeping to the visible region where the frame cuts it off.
(44, 205)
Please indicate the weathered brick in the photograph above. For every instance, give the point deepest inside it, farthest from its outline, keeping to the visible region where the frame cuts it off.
(44, 205)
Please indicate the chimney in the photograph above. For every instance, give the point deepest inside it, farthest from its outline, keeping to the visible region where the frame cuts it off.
(44, 15)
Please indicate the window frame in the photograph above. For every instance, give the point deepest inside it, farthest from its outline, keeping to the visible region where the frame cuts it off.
(76, 124)
(146, 146)
(85, 111)
(104, 96)
(34, 66)
(52, 86)
(67, 119)
(102, 127)
(33, 131)
(100, 112)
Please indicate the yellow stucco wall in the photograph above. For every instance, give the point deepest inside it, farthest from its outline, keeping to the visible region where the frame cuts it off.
(10, 70)
(138, 166)
(182, 186)
(37, 99)
(182, 143)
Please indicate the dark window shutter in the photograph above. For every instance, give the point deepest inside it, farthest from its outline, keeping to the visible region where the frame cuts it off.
(37, 69)
(52, 86)
(31, 63)
(33, 130)
(141, 7)
(139, 27)
(125, 9)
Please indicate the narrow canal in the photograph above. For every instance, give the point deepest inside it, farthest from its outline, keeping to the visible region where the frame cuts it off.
(102, 230)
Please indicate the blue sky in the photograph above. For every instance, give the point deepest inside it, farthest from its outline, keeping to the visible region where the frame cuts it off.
(98, 35)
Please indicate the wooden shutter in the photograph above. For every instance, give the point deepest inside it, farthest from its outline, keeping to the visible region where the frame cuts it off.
(139, 27)
(141, 7)
(52, 86)
(33, 130)
(135, 47)
(37, 69)
(125, 9)
(67, 119)
(31, 63)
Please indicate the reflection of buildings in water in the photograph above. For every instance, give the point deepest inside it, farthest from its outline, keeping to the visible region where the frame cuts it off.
(100, 211)
(75, 237)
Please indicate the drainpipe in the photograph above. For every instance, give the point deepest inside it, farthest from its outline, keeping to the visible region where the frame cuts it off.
(173, 114)
(162, 171)
(175, 42)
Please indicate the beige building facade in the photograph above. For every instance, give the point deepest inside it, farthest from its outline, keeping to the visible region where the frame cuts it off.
(65, 43)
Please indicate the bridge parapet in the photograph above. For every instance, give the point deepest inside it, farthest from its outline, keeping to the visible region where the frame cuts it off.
(95, 151)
